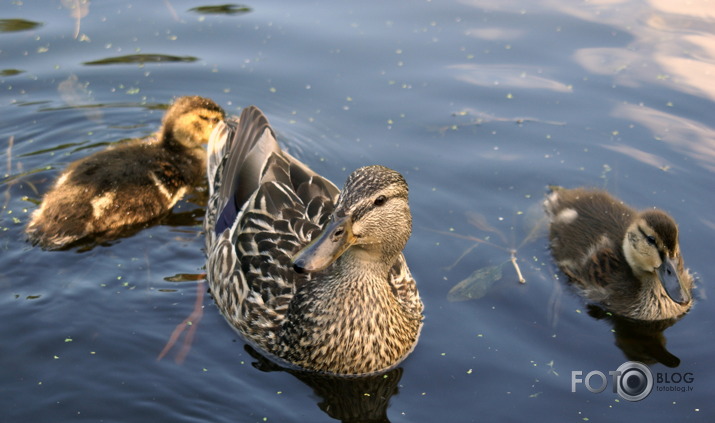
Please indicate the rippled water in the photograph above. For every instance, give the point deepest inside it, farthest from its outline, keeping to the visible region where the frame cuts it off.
(480, 104)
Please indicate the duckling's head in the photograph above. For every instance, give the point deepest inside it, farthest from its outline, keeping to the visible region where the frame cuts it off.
(371, 219)
(190, 120)
(652, 251)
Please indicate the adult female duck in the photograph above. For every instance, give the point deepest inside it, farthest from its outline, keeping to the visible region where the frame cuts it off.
(312, 276)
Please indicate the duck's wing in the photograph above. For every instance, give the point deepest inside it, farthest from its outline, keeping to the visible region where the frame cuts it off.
(404, 288)
(602, 276)
(242, 156)
(265, 205)
(237, 150)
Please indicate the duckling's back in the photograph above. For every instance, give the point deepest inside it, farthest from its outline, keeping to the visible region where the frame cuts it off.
(109, 192)
(586, 233)
(582, 220)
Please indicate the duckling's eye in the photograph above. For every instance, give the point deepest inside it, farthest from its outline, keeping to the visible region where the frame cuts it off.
(380, 200)
(650, 239)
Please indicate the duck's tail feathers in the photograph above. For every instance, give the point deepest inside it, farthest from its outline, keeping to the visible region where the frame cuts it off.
(232, 142)
(216, 150)
(238, 151)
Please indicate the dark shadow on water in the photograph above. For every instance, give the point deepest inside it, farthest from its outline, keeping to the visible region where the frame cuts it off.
(15, 25)
(363, 399)
(141, 59)
(147, 106)
(222, 9)
(10, 72)
(639, 340)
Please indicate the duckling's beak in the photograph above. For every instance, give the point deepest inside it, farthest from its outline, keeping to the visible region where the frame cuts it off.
(671, 282)
(328, 247)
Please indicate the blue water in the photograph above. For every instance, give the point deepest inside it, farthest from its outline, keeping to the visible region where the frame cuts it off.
(480, 104)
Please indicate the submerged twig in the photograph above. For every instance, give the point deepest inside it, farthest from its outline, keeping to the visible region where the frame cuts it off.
(477, 284)
(516, 266)
(478, 241)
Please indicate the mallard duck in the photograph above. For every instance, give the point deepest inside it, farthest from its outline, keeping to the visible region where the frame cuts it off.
(128, 184)
(626, 260)
(313, 277)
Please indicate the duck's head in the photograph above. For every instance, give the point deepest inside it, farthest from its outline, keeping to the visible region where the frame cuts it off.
(652, 251)
(371, 219)
(190, 120)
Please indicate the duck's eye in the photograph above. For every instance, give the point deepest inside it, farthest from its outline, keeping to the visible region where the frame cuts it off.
(650, 239)
(380, 200)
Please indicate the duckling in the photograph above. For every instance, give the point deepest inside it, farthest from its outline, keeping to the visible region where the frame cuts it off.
(129, 184)
(312, 276)
(626, 260)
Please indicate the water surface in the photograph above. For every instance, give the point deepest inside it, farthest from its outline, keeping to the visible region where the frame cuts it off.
(480, 104)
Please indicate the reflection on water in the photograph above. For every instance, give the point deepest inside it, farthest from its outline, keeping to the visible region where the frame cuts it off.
(361, 399)
(511, 76)
(669, 47)
(641, 156)
(672, 46)
(692, 138)
(639, 340)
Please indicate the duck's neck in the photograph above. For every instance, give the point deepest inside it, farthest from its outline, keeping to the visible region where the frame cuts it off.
(365, 263)
(358, 282)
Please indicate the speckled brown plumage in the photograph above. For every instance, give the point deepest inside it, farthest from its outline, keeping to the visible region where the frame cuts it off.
(346, 303)
(129, 184)
(628, 261)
